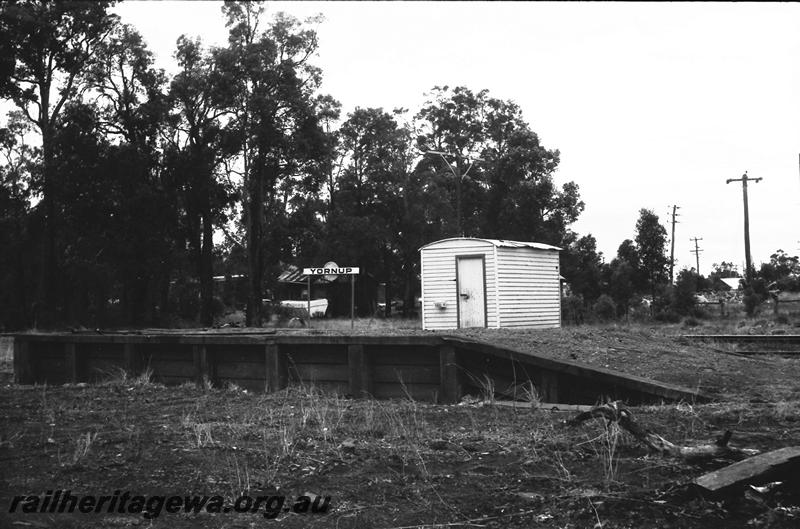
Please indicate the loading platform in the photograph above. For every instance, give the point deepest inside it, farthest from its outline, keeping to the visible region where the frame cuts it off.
(428, 367)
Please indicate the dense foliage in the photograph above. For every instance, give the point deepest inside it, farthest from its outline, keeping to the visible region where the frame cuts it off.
(125, 191)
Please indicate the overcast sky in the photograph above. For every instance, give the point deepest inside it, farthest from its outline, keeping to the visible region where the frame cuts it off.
(650, 104)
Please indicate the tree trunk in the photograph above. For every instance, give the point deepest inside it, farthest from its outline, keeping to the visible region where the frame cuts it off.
(163, 295)
(206, 272)
(410, 289)
(388, 291)
(255, 258)
(101, 303)
(46, 297)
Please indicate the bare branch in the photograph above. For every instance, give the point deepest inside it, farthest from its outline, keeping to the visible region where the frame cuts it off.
(228, 169)
(28, 114)
(23, 80)
(618, 413)
(63, 99)
(231, 237)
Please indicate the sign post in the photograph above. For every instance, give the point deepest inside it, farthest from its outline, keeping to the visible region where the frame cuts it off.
(353, 304)
(308, 299)
(331, 271)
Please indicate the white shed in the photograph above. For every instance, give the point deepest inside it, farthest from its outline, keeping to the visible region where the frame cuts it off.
(490, 283)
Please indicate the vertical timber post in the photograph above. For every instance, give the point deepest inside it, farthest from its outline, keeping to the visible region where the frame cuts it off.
(200, 355)
(360, 371)
(449, 383)
(748, 263)
(275, 368)
(23, 365)
(71, 357)
(352, 301)
(131, 363)
(748, 259)
(672, 247)
(696, 252)
(549, 387)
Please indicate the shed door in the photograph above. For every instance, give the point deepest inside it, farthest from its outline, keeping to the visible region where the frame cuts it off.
(471, 293)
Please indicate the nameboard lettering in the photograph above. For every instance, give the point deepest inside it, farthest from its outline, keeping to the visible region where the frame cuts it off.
(342, 270)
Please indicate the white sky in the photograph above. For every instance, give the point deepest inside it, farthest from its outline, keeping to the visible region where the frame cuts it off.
(650, 104)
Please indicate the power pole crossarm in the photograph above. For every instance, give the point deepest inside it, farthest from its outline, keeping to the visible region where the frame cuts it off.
(748, 262)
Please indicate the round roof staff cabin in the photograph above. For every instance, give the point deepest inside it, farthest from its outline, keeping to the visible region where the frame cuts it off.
(490, 283)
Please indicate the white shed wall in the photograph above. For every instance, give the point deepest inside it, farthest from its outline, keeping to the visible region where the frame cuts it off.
(528, 287)
(438, 263)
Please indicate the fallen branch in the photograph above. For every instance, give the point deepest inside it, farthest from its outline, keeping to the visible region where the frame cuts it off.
(618, 413)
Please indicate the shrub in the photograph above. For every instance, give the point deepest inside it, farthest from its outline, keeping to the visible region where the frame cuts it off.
(691, 322)
(789, 284)
(186, 297)
(662, 302)
(663, 308)
(667, 316)
(683, 293)
(640, 313)
(604, 308)
(572, 309)
(217, 307)
(751, 301)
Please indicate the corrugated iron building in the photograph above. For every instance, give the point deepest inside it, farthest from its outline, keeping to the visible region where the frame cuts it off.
(469, 282)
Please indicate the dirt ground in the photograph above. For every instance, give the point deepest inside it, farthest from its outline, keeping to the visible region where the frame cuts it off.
(393, 464)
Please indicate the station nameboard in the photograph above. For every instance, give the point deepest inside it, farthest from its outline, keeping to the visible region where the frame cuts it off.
(323, 271)
(331, 271)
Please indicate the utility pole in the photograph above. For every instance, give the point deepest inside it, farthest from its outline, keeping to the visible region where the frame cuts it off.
(748, 263)
(458, 177)
(672, 246)
(696, 252)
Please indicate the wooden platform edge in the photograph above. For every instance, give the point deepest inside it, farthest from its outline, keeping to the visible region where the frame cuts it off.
(645, 385)
(198, 338)
(792, 338)
(448, 346)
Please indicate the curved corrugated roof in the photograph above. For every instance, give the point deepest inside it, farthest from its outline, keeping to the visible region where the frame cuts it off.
(499, 242)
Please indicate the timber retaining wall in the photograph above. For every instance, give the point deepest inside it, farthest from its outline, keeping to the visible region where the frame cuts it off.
(434, 368)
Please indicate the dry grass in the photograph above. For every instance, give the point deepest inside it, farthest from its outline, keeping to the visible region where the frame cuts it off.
(365, 324)
(386, 463)
(83, 447)
(6, 354)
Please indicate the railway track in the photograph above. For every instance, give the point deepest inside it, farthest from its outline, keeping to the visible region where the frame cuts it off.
(787, 345)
